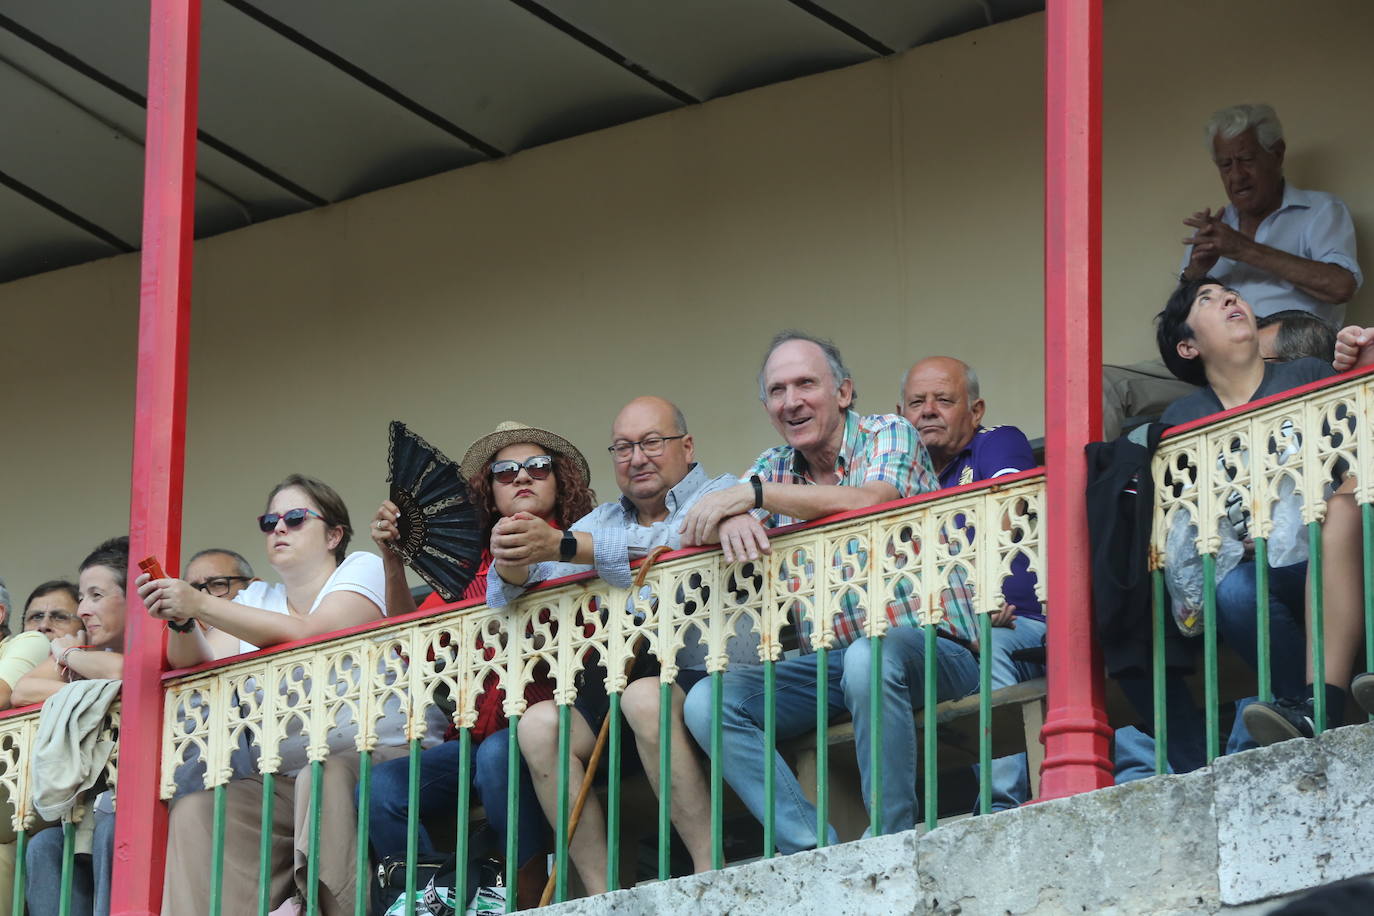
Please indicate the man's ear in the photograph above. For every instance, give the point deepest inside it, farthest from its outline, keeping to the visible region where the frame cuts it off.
(846, 393)
(689, 448)
(1279, 149)
(979, 406)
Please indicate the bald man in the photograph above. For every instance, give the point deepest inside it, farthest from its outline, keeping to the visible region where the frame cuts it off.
(940, 397)
(654, 459)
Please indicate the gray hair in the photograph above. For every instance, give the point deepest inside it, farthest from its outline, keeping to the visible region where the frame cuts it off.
(970, 382)
(838, 371)
(680, 420)
(1236, 120)
(245, 569)
(1300, 334)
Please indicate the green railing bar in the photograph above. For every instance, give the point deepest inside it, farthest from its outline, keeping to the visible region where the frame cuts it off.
(1157, 663)
(64, 905)
(21, 842)
(360, 878)
(875, 747)
(464, 812)
(412, 825)
(613, 797)
(665, 781)
(312, 861)
(217, 853)
(928, 720)
(1209, 653)
(984, 713)
(770, 744)
(269, 797)
(512, 813)
(1262, 643)
(560, 883)
(717, 777)
(1367, 525)
(1314, 576)
(822, 747)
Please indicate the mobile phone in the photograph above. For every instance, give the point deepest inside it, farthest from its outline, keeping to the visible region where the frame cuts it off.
(152, 567)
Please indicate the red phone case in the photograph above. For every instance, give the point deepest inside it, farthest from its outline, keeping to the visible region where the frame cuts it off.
(152, 567)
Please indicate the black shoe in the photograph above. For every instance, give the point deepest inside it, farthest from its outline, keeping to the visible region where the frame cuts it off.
(1363, 688)
(1270, 723)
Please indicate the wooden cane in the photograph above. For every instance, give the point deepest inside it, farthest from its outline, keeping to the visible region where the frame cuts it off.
(602, 736)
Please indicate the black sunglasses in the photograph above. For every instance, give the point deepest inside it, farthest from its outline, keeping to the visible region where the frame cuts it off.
(294, 518)
(537, 466)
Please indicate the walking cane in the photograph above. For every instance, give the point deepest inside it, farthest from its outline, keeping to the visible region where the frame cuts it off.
(603, 735)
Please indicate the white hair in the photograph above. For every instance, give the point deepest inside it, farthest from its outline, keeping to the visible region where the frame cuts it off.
(1236, 120)
(970, 383)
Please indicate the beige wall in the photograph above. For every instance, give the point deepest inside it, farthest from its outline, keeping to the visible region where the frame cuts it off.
(895, 206)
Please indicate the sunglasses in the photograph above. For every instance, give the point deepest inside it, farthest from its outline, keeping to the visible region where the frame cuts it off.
(294, 518)
(537, 466)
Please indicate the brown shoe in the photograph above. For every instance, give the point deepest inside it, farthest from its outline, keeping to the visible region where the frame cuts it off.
(529, 883)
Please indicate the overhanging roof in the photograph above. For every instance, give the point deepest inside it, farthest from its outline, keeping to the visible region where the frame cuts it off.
(307, 102)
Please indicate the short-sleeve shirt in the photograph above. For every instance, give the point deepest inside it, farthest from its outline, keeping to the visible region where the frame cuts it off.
(20, 654)
(1310, 224)
(1278, 377)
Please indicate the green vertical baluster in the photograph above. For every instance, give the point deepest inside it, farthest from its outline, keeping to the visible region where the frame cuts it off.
(512, 812)
(1367, 525)
(613, 797)
(984, 713)
(875, 747)
(21, 842)
(560, 884)
(1314, 568)
(822, 746)
(1157, 663)
(465, 810)
(932, 788)
(412, 825)
(770, 744)
(1209, 653)
(665, 781)
(360, 877)
(312, 861)
(1262, 644)
(64, 904)
(217, 852)
(717, 781)
(269, 798)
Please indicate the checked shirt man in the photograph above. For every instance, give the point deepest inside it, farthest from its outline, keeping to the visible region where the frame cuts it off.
(834, 460)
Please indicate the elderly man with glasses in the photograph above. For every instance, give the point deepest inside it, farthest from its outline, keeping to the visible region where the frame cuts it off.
(654, 459)
(221, 573)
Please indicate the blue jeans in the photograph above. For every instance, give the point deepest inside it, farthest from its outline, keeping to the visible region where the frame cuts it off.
(1187, 738)
(1010, 781)
(794, 818)
(439, 795)
(90, 894)
(903, 685)
(1237, 626)
(1134, 756)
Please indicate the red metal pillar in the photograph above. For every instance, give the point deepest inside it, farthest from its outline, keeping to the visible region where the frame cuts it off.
(1076, 733)
(159, 437)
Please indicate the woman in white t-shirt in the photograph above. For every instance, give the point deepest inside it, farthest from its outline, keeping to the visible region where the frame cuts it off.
(323, 589)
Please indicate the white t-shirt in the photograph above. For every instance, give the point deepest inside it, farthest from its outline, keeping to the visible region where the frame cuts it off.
(363, 573)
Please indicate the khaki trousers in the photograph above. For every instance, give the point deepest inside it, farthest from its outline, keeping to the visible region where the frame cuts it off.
(186, 888)
(1138, 390)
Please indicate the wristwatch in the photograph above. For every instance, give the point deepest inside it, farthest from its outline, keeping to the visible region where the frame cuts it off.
(757, 481)
(567, 548)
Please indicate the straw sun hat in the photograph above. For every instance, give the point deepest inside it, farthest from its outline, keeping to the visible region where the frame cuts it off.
(509, 432)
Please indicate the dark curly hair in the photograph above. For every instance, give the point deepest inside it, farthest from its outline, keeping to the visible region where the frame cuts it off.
(573, 498)
(1171, 328)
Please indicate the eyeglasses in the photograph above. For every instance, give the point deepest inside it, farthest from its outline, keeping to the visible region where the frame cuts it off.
(219, 585)
(537, 466)
(294, 518)
(651, 446)
(58, 617)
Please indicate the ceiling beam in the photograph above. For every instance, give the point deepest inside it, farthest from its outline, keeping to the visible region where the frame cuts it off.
(70, 216)
(840, 24)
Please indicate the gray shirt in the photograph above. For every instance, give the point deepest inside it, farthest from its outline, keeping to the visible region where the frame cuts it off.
(1278, 377)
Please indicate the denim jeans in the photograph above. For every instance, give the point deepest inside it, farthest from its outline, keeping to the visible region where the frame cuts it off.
(903, 686)
(1010, 780)
(439, 796)
(1134, 755)
(90, 895)
(1238, 628)
(1187, 738)
(794, 817)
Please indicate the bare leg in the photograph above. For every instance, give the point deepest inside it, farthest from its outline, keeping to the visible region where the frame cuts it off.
(691, 799)
(539, 746)
(1342, 581)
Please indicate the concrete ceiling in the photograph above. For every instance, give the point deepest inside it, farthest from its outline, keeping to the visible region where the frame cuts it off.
(307, 102)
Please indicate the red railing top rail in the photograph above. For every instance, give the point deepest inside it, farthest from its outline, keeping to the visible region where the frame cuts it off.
(1290, 394)
(994, 484)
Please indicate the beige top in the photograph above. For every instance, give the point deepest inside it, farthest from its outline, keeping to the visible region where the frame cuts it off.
(20, 653)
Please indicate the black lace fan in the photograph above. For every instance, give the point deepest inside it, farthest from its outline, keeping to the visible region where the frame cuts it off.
(438, 527)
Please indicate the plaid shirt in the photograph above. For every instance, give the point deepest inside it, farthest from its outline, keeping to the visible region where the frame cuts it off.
(880, 447)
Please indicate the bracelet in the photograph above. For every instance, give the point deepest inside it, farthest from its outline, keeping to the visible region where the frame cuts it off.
(184, 626)
(757, 481)
(62, 659)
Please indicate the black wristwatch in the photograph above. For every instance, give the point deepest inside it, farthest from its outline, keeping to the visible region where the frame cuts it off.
(184, 626)
(567, 548)
(757, 481)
